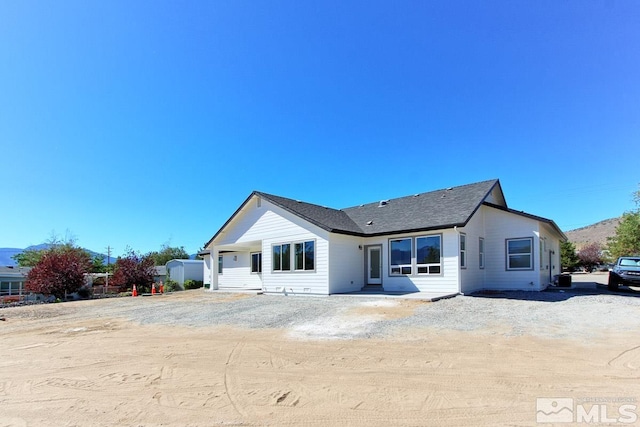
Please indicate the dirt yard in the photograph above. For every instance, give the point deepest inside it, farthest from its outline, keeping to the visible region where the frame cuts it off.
(112, 363)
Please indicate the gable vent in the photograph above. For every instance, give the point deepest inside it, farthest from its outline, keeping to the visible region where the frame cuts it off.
(383, 203)
(369, 222)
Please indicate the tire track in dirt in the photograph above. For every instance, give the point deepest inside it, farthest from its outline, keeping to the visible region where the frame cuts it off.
(232, 360)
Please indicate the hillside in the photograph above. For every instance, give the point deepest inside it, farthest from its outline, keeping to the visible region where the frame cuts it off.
(6, 254)
(597, 233)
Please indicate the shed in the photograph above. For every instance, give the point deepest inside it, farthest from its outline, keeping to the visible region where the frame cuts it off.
(180, 270)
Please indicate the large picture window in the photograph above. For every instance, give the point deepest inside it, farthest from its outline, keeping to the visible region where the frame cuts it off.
(400, 256)
(520, 254)
(304, 256)
(428, 254)
(256, 262)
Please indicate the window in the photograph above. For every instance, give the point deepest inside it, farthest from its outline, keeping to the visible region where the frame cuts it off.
(256, 262)
(428, 254)
(400, 256)
(463, 250)
(282, 257)
(520, 254)
(220, 264)
(305, 255)
(481, 252)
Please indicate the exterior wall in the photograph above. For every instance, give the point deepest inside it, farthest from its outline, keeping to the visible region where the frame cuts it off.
(473, 278)
(258, 227)
(446, 282)
(236, 272)
(346, 263)
(500, 226)
(549, 255)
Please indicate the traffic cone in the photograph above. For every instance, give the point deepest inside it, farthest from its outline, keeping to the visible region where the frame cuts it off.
(135, 291)
(153, 289)
(161, 287)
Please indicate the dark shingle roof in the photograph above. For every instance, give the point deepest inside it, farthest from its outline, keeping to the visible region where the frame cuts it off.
(434, 210)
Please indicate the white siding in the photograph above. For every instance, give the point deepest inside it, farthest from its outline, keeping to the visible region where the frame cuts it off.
(346, 263)
(236, 272)
(472, 278)
(206, 270)
(501, 226)
(259, 227)
(446, 282)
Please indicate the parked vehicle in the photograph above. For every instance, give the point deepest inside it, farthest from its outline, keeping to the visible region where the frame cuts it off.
(626, 271)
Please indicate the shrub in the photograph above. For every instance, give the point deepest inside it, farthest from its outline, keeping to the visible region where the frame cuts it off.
(84, 292)
(192, 284)
(171, 286)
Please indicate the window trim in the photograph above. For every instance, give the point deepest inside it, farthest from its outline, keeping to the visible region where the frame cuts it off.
(432, 264)
(220, 264)
(259, 269)
(481, 253)
(414, 266)
(530, 254)
(292, 256)
(401, 266)
(303, 243)
(463, 252)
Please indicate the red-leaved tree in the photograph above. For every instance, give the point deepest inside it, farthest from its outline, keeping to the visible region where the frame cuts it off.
(590, 255)
(60, 271)
(133, 269)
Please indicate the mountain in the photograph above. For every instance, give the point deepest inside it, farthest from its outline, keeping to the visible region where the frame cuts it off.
(598, 233)
(7, 254)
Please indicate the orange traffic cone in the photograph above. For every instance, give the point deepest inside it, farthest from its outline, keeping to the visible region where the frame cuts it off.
(135, 291)
(153, 289)
(161, 287)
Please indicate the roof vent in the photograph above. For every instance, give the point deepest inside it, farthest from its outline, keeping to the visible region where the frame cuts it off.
(383, 203)
(369, 222)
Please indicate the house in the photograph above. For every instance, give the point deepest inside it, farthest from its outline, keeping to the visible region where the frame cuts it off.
(12, 281)
(455, 240)
(180, 270)
(159, 273)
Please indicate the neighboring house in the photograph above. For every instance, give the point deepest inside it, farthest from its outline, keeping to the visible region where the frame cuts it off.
(455, 240)
(159, 273)
(180, 270)
(12, 280)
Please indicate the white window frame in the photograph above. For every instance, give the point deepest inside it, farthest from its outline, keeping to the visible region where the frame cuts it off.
(509, 255)
(429, 266)
(463, 250)
(304, 256)
(481, 252)
(258, 270)
(281, 269)
(220, 264)
(401, 267)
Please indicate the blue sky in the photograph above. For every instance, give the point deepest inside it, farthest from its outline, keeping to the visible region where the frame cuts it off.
(142, 123)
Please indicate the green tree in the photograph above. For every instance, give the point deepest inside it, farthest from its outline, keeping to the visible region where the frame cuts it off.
(29, 258)
(97, 264)
(627, 238)
(568, 257)
(168, 253)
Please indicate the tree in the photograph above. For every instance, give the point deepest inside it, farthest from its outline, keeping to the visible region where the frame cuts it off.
(627, 238)
(168, 253)
(29, 258)
(97, 264)
(133, 269)
(590, 256)
(59, 271)
(568, 258)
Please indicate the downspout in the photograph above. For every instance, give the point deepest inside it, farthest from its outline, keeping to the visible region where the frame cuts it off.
(455, 228)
